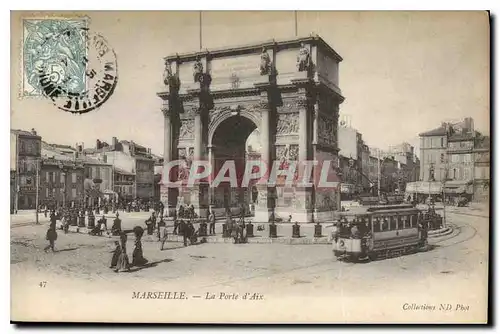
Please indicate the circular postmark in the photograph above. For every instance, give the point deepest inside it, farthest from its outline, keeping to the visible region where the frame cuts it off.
(76, 69)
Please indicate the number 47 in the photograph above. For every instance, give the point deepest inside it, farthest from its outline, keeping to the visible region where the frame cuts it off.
(43, 284)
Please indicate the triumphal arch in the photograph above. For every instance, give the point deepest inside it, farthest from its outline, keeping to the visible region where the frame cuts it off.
(214, 99)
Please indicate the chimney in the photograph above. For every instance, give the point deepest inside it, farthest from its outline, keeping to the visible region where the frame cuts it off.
(469, 124)
(75, 155)
(149, 151)
(114, 142)
(97, 144)
(33, 132)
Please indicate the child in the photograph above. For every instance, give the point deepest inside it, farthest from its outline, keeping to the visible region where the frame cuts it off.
(116, 254)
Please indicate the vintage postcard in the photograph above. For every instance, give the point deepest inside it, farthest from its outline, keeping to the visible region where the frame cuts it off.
(250, 167)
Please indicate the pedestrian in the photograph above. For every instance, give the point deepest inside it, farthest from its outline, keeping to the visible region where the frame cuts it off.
(192, 235)
(161, 223)
(51, 236)
(153, 220)
(149, 226)
(123, 263)
(211, 218)
(137, 255)
(176, 225)
(163, 235)
(116, 229)
(116, 254)
(191, 212)
(242, 232)
(183, 231)
(104, 224)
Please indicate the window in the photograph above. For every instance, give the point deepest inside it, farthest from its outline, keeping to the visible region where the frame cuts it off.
(47, 177)
(73, 177)
(62, 177)
(406, 223)
(467, 157)
(394, 223)
(385, 225)
(442, 142)
(54, 177)
(73, 192)
(454, 173)
(47, 192)
(466, 174)
(454, 158)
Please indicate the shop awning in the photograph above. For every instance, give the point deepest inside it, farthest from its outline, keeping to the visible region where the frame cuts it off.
(422, 187)
(458, 187)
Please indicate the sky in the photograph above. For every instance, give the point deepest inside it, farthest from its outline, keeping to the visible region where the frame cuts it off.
(402, 73)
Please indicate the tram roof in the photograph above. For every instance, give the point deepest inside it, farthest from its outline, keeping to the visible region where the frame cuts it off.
(379, 209)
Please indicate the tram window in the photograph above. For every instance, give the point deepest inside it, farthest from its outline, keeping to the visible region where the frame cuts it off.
(394, 223)
(385, 225)
(376, 225)
(406, 223)
(413, 221)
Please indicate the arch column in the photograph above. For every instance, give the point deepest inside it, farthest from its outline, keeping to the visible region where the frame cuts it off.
(199, 192)
(265, 203)
(304, 194)
(168, 195)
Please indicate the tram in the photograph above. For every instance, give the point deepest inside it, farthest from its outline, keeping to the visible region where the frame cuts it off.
(378, 232)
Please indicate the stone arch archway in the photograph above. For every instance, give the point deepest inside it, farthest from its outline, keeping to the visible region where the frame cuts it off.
(228, 136)
(221, 116)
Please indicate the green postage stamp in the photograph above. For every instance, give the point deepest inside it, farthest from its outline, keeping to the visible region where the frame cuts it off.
(56, 48)
(66, 63)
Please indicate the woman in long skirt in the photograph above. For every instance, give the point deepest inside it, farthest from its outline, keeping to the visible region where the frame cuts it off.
(51, 236)
(123, 262)
(137, 255)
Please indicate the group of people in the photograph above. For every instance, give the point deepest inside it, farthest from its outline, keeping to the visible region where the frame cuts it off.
(102, 226)
(186, 212)
(120, 260)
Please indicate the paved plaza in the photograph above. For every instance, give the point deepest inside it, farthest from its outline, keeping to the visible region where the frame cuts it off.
(292, 276)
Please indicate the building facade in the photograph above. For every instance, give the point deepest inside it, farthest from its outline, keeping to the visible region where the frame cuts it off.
(408, 164)
(61, 182)
(458, 157)
(433, 151)
(26, 163)
(131, 165)
(482, 168)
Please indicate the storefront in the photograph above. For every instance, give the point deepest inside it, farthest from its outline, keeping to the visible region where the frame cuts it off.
(456, 189)
(419, 191)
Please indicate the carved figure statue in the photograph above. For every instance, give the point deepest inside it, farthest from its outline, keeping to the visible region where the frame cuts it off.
(304, 59)
(198, 70)
(265, 62)
(170, 79)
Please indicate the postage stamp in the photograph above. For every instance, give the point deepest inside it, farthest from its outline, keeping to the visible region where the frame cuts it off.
(58, 47)
(66, 63)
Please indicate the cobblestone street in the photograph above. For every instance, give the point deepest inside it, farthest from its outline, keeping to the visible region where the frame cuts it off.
(292, 276)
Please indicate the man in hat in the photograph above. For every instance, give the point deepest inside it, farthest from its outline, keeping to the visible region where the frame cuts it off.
(117, 225)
